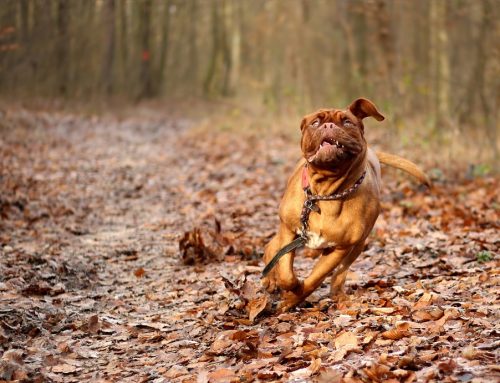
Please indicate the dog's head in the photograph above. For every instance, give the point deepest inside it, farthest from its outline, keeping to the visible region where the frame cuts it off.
(332, 139)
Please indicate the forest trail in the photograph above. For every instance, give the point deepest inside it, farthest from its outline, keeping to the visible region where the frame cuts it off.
(93, 287)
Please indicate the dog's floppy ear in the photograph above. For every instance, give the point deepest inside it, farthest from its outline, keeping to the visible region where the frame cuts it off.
(303, 124)
(362, 108)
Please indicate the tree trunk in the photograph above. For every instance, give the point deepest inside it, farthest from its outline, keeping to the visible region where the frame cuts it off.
(349, 82)
(145, 74)
(421, 55)
(25, 32)
(208, 84)
(164, 48)
(62, 50)
(233, 53)
(124, 47)
(8, 41)
(488, 104)
(477, 74)
(191, 72)
(386, 39)
(440, 65)
(109, 50)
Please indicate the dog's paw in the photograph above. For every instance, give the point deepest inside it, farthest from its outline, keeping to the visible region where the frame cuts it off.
(339, 297)
(275, 281)
(290, 299)
(338, 294)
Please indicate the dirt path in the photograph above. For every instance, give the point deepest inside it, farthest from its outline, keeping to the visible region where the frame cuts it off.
(92, 287)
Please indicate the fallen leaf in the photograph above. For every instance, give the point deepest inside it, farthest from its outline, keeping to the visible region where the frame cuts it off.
(378, 372)
(200, 247)
(330, 376)
(256, 305)
(139, 273)
(175, 372)
(347, 340)
(447, 366)
(308, 371)
(221, 375)
(93, 324)
(382, 310)
(437, 326)
(427, 314)
(344, 343)
(470, 352)
(64, 369)
(425, 300)
(401, 330)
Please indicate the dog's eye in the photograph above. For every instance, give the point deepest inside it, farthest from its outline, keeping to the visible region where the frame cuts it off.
(347, 122)
(315, 123)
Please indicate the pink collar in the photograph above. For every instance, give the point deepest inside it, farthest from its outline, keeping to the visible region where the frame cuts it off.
(305, 177)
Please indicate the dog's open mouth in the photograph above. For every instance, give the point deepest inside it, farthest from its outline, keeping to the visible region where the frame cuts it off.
(329, 142)
(328, 150)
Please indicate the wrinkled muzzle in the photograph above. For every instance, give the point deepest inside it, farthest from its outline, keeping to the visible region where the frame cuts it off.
(329, 145)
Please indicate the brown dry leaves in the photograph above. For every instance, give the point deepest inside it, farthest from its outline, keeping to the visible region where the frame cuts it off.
(256, 305)
(93, 286)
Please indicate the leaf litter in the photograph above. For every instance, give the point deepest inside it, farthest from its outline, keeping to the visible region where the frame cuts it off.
(131, 251)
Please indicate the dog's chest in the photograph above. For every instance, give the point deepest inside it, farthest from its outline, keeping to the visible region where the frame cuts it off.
(323, 227)
(317, 241)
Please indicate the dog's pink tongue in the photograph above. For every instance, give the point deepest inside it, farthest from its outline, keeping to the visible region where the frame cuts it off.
(325, 143)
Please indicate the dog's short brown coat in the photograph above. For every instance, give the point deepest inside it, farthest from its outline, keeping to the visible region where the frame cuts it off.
(336, 154)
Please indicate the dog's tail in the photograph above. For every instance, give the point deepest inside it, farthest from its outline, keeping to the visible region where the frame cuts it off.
(405, 165)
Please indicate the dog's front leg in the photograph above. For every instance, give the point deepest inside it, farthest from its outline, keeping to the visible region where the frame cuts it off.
(324, 266)
(282, 275)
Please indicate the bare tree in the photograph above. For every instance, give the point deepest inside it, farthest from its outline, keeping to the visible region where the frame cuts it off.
(62, 49)
(109, 50)
(146, 80)
(440, 64)
(164, 46)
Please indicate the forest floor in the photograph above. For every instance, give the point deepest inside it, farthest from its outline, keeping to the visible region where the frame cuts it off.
(93, 286)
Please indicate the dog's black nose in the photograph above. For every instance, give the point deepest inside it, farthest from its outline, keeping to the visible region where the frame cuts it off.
(328, 125)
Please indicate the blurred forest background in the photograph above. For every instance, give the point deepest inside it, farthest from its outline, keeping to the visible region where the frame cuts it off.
(144, 148)
(432, 66)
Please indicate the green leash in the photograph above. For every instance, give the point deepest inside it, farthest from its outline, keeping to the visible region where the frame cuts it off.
(297, 242)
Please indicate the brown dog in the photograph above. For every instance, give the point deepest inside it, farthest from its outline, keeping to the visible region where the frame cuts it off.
(341, 177)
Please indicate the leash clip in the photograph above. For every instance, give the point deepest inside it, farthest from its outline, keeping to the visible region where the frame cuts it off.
(310, 204)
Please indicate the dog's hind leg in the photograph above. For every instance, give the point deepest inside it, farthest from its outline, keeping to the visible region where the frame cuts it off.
(340, 273)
